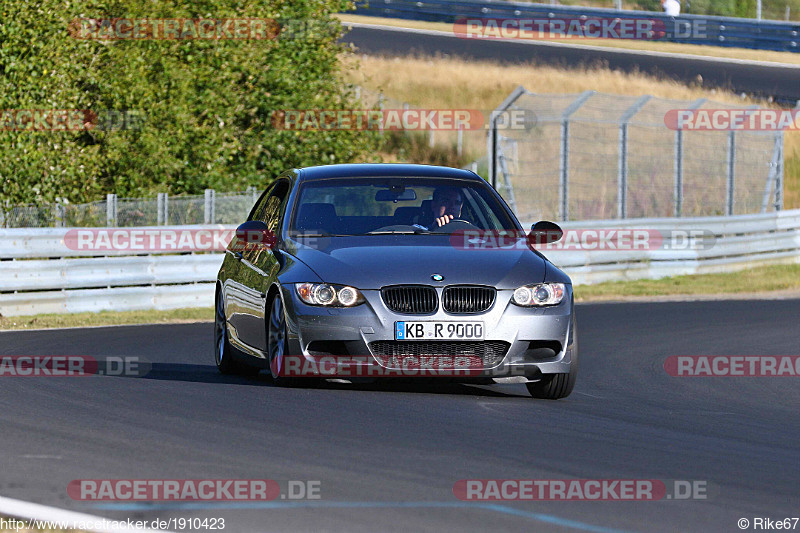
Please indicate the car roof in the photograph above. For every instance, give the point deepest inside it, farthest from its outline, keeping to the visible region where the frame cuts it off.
(356, 170)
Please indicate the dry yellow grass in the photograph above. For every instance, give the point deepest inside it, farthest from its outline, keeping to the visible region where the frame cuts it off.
(652, 46)
(439, 82)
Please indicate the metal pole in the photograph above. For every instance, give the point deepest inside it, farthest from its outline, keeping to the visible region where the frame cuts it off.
(163, 209)
(111, 210)
(491, 134)
(779, 175)
(678, 193)
(622, 169)
(563, 173)
(758, 9)
(731, 173)
(209, 207)
(460, 140)
(622, 172)
(563, 160)
(59, 212)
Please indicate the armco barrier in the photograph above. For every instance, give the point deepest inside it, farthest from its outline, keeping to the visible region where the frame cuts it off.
(40, 274)
(716, 31)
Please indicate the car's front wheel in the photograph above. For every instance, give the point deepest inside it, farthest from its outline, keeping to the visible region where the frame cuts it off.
(276, 342)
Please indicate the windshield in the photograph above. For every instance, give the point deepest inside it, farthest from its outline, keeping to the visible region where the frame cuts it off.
(373, 206)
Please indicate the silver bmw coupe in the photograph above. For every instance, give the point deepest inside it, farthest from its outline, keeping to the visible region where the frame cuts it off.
(385, 270)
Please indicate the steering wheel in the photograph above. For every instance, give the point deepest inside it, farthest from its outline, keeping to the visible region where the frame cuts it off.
(455, 225)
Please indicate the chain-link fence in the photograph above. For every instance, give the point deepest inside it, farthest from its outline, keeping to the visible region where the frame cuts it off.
(601, 156)
(209, 208)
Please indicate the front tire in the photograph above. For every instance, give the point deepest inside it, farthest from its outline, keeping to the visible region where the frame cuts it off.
(276, 342)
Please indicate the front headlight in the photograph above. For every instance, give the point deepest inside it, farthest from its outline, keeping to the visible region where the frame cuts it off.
(329, 295)
(539, 294)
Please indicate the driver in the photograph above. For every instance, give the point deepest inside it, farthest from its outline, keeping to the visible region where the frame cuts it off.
(445, 206)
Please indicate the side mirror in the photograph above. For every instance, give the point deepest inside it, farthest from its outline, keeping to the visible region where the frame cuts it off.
(545, 232)
(254, 235)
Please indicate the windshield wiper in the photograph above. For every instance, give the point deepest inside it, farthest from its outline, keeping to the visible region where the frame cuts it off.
(398, 232)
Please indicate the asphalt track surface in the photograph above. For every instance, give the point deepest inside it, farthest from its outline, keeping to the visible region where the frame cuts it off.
(388, 456)
(780, 81)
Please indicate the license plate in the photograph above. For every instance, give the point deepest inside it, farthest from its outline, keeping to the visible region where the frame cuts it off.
(411, 331)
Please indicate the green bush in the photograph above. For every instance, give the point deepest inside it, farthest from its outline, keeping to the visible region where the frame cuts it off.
(204, 104)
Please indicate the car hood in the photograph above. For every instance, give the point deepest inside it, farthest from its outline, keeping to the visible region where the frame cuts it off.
(372, 262)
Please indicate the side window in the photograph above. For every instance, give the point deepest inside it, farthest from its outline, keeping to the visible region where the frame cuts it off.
(261, 203)
(270, 211)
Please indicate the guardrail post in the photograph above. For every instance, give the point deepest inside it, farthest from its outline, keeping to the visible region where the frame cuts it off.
(209, 206)
(163, 209)
(111, 210)
(622, 169)
(731, 172)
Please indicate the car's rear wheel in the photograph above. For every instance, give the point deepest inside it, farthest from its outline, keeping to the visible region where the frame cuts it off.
(557, 386)
(223, 351)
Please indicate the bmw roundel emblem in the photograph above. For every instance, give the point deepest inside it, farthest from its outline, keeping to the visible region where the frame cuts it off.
(437, 277)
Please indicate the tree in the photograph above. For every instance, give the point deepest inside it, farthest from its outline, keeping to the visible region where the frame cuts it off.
(202, 106)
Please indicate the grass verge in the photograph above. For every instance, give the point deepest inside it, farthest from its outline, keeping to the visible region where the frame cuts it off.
(765, 279)
(107, 318)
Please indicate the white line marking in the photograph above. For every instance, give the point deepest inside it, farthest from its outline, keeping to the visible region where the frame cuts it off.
(35, 511)
(609, 49)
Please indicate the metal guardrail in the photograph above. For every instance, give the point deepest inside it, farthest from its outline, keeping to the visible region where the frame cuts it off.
(717, 31)
(39, 273)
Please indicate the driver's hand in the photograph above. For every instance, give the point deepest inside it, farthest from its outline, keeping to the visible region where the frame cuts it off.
(441, 221)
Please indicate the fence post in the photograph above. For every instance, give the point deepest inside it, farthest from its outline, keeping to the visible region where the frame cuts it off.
(678, 193)
(491, 133)
(622, 168)
(731, 172)
(163, 209)
(779, 175)
(111, 210)
(209, 207)
(563, 157)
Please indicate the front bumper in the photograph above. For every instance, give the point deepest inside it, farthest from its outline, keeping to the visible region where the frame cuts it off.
(540, 340)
